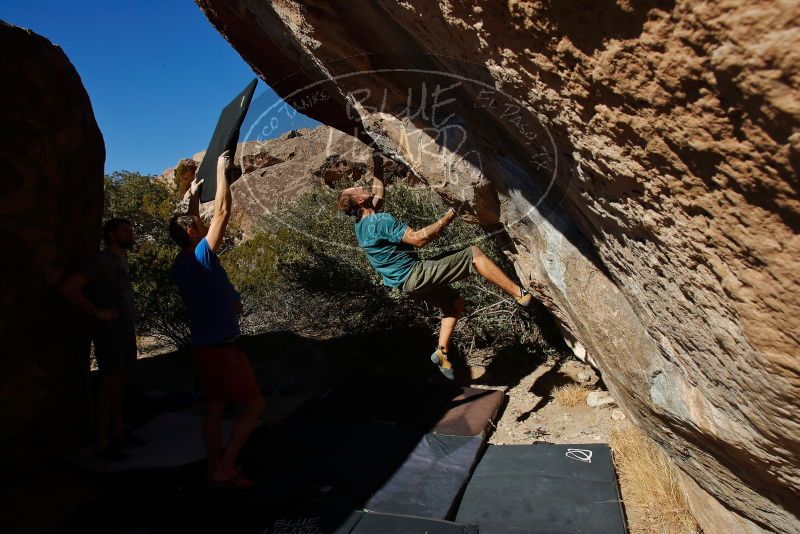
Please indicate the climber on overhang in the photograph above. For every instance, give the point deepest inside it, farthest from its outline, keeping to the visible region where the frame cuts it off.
(390, 246)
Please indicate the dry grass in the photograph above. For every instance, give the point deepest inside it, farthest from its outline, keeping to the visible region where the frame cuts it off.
(570, 395)
(650, 485)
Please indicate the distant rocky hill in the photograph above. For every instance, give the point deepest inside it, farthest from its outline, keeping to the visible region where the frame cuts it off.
(281, 169)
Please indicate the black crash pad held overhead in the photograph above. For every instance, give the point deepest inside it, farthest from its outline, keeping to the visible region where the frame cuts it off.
(225, 137)
(544, 488)
(431, 479)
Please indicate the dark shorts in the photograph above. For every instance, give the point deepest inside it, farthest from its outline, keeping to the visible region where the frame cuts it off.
(430, 279)
(225, 374)
(115, 351)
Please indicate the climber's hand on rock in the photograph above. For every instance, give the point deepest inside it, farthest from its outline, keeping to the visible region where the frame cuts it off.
(469, 216)
(465, 213)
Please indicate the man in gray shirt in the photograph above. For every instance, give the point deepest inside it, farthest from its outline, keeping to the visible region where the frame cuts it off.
(102, 288)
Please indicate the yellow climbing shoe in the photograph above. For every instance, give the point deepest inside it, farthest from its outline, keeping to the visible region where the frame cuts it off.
(524, 299)
(445, 367)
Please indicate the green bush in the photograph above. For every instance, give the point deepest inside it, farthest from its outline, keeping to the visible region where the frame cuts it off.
(148, 204)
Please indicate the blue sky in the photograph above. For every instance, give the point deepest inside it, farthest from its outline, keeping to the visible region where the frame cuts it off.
(157, 72)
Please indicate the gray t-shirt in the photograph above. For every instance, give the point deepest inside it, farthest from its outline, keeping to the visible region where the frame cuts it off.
(109, 287)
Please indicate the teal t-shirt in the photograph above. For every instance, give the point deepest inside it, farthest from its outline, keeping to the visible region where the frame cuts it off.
(381, 238)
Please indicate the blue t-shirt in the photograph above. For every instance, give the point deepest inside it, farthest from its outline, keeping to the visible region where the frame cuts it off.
(381, 237)
(208, 294)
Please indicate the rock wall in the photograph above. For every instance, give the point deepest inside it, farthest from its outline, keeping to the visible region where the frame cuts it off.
(51, 165)
(643, 157)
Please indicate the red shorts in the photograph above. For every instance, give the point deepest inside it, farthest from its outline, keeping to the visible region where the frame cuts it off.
(225, 374)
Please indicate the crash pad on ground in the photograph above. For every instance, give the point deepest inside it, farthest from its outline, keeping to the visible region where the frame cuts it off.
(430, 480)
(470, 412)
(374, 523)
(544, 488)
(359, 522)
(170, 440)
(331, 461)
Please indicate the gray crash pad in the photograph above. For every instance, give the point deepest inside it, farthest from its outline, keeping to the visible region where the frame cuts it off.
(544, 488)
(430, 480)
(170, 440)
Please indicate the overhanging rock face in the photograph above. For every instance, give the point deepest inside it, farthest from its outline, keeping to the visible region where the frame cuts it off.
(643, 157)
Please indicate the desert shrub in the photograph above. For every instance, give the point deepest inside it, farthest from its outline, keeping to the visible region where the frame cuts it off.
(142, 199)
(570, 395)
(148, 204)
(160, 311)
(651, 485)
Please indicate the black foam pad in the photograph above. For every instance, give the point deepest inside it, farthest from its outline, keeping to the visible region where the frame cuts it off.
(226, 136)
(431, 478)
(544, 488)
(356, 522)
(371, 523)
(334, 462)
(314, 521)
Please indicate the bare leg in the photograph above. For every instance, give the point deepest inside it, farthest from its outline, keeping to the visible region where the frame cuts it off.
(109, 388)
(449, 321)
(491, 272)
(242, 428)
(116, 411)
(212, 430)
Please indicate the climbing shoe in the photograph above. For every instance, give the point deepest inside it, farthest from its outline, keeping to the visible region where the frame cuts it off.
(445, 367)
(524, 298)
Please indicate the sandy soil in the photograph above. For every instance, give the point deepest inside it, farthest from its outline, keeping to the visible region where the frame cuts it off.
(532, 415)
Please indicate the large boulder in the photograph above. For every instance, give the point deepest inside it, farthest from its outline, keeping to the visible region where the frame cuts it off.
(51, 163)
(643, 157)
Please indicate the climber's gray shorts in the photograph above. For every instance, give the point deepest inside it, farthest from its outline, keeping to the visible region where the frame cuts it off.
(430, 279)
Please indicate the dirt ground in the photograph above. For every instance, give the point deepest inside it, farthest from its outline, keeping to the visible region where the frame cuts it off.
(532, 415)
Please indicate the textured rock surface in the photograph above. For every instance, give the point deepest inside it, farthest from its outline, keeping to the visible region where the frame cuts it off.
(280, 169)
(51, 201)
(643, 156)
